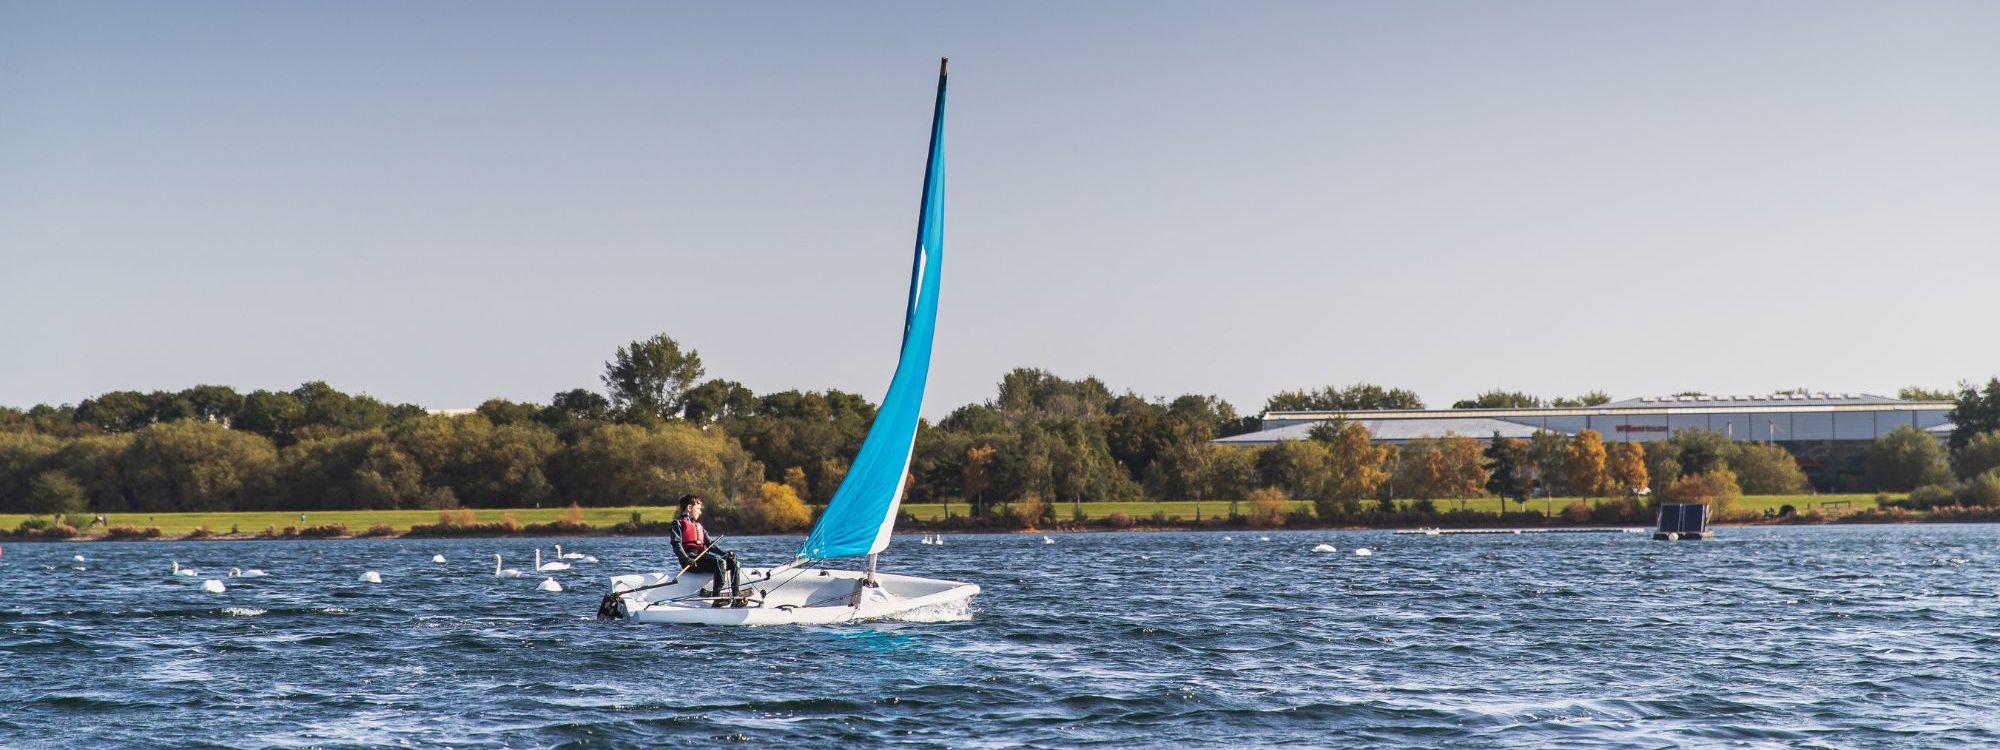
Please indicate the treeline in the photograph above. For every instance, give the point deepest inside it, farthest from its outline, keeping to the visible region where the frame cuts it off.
(660, 428)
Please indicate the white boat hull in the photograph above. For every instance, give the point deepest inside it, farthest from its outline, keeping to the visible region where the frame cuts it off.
(792, 597)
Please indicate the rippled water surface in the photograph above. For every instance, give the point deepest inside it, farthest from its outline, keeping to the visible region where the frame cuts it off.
(1863, 637)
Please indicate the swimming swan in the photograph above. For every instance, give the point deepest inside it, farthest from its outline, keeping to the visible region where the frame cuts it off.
(371, 577)
(180, 571)
(1324, 548)
(213, 586)
(437, 558)
(1046, 540)
(508, 573)
(1363, 552)
(549, 566)
(561, 555)
(549, 584)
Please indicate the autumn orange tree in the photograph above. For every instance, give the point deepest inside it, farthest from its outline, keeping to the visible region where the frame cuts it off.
(1585, 464)
(1625, 467)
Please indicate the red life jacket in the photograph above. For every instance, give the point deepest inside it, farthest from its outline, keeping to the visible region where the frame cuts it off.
(694, 538)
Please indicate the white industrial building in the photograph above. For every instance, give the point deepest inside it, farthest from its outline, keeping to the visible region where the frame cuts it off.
(1826, 431)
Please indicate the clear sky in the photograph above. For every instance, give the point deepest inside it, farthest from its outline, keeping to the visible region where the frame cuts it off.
(442, 203)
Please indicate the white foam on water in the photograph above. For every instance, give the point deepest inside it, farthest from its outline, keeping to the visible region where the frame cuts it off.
(952, 611)
(243, 611)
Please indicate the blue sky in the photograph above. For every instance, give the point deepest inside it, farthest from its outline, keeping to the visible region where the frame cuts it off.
(442, 203)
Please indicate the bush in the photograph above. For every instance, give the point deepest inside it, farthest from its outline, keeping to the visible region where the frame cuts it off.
(1268, 507)
(1577, 511)
(1120, 521)
(1716, 488)
(1931, 496)
(379, 530)
(132, 532)
(199, 532)
(776, 508)
(1983, 490)
(1028, 511)
(44, 528)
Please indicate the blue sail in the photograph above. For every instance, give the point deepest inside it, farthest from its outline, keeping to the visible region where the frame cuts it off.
(863, 511)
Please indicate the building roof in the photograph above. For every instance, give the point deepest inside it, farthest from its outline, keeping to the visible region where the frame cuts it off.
(1395, 430)
(1771, 399)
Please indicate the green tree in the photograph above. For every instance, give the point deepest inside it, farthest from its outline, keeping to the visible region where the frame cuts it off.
(502, 411)
(1354, 466)
(273, 415)
(1979, 455)
(1920, 393)
(1973, 412)
(1548, 462)
(577, 405)
(213, 403)
(1357, 397)
(1589, 398)
(1506, 474)
(1701, 451)
(1764, 469)
(1497, 399)
(650, 379)
(117, 411)
(199, 466)
(1905, 459)
(717, 400)
(623, 464)
(54, 493)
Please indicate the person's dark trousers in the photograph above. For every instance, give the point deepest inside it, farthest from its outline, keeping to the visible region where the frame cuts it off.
(719, 563)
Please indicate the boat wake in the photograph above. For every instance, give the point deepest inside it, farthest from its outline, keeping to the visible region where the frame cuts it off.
(953, 611)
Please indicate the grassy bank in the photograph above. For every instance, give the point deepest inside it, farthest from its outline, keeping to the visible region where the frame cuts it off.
(1177, 512)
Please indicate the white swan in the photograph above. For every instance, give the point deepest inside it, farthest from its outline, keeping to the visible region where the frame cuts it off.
(1263, 539)
(180, 571)
(1324, 548)
(371, 577)
(235, 572)
(589, 558)
(79, 558)
(939, 540)
(508, 573)
(548, 566)
(437, 558)
(1046, 540)
(213, 586)
(549, 584)
(1363, 552)
(560, 555)
(253, 573)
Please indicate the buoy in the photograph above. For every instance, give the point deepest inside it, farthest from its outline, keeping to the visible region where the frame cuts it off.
(1362, 552)
(549, 584)
(371, 577)
(212, 586)
(1324, 548)
(437, 558)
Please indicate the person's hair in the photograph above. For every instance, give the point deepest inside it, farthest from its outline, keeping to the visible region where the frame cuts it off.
(689, 499)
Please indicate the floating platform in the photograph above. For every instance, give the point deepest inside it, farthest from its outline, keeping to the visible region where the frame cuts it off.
(1683, 522)
(1559, 530)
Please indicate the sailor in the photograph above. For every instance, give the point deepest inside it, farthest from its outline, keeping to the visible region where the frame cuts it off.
(699, 554)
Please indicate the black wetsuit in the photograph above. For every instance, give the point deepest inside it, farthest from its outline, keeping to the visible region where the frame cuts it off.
(690, 539)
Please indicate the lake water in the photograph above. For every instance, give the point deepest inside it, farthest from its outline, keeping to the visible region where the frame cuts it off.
(1834, 637)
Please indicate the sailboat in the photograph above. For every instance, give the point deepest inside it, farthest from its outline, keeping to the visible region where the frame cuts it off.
(862, 514)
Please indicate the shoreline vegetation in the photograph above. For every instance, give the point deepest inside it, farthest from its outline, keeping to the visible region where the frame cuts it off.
(929, 518)
(1045, 453)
